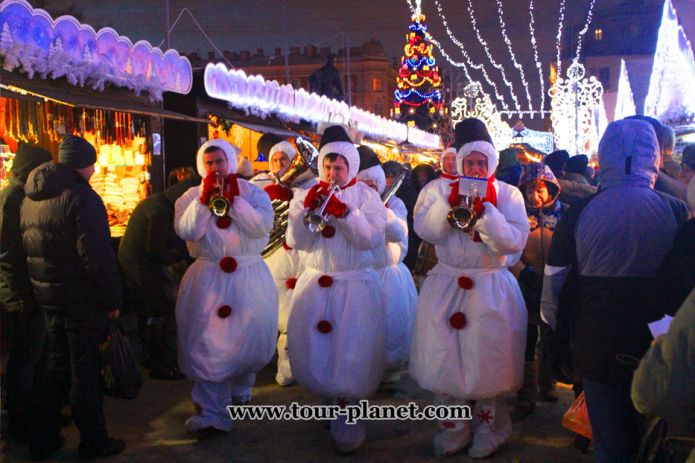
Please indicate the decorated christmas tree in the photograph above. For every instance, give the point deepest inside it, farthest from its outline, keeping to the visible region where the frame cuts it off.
(418, 97)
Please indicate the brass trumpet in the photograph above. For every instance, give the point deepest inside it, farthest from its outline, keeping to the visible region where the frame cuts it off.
(218, 204)
(463, 216)
(315, 221)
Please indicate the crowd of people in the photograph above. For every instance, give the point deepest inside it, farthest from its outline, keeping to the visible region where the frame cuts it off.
(487, 278)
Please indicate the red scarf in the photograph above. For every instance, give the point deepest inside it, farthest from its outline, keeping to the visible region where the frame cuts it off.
(490, 197)
(449, 176)
(319, 191)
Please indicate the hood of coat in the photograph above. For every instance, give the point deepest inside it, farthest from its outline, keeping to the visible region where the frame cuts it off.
(227, 148)
(538, 171)
(50, 179)
(628, 154)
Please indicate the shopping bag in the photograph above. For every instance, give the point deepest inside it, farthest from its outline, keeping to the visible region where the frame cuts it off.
(120, 373)
(576, 419)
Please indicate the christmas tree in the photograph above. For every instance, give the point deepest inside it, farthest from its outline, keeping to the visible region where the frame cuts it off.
(418, 97)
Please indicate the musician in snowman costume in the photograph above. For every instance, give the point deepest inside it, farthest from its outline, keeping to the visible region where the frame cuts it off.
(336, 330)
(470, 326)
(401, 294)
(226, 310)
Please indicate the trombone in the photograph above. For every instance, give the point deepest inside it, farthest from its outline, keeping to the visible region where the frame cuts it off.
(315, 221)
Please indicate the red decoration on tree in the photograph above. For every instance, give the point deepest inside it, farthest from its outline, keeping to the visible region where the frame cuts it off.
(325, 281)
(324, 326)
(224, 311)
(458, 321)
(228, 264)
(465, 282)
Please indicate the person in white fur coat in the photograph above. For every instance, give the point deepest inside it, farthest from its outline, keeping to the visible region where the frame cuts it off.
(470, 326)
(226, 310)
(284, 263)
(401, 295)
(336, 330)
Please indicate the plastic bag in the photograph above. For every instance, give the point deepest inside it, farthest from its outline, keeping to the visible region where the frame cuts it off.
(576, 418)
(120, 373)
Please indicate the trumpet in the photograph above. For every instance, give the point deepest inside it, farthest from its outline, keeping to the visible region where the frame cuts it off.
(463, 216)
(315, 221)
(218, 204)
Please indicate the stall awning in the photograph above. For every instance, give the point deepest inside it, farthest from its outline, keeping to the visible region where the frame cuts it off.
(113, 99)
(266, 129)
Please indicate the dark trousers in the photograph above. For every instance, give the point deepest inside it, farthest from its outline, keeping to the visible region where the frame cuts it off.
(25, 333)
(72, 371)
(615, 424)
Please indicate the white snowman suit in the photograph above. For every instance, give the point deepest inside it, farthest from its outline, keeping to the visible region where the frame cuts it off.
(226, 310)
(285, 266)
(399, 287)
(470, 326)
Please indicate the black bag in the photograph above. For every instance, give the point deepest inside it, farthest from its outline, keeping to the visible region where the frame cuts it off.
(120, 373)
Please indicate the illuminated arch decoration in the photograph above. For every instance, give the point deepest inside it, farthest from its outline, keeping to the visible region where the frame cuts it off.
(36, 44)
(476, 103)
(263, 98)
(671, 94)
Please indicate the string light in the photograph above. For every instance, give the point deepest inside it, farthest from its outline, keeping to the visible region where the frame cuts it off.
(539, 66)
(470, 63)
(589, 17)
(518, 66)
(476, 103)
(558, 43)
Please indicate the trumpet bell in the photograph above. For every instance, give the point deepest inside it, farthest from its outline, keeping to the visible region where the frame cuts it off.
(314, 222)
(462, 218)
(219, 205)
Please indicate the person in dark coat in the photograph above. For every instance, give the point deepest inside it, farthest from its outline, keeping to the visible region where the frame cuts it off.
(148, 247)
(73, 271)
(23, 326)
(556, 161)
(615, 277)
(408, 194)
(573, 182)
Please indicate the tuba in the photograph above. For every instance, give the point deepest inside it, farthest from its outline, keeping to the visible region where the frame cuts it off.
(218, 204)
(463, 216)
(302, 168)
(315, 220)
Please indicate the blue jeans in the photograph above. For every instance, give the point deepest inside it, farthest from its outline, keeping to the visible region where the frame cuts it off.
(615, 424)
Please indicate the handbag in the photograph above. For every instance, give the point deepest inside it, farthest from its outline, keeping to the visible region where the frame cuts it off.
(576, 418)
(120, 373)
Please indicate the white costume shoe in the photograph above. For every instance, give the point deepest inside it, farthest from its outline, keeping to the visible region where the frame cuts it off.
(347, 437)
(450, 441)
(284, 374)
(492, 426)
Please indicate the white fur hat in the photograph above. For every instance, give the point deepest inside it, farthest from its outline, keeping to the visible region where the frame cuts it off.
(336, 140)
(284, 146)
(227, 148)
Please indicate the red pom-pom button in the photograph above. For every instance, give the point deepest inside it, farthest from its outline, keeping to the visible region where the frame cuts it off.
(286, 246)
(328, 231)
(458, 321)
(224, 222)
(228, 264)
(324, 326)
(224, 311)
(465, 282)
(325, 281)
(291, 283)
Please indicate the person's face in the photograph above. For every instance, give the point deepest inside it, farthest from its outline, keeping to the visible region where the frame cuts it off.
(537, 194)
(215, 161)
(475, 165)
(335, 171)
(278, 162)
(87, 172)
(389, 180)
(449, 164)
(687, 173)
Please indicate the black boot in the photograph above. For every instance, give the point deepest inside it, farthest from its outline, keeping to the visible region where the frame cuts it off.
(112, 447)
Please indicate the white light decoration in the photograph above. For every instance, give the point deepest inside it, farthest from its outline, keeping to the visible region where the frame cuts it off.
(582, 32)
(476, 103)
(573, 102)
(671, 94)
(264, 98)
(558, 40)
(542, 141)
(625, 104)
(539, 66)
(505, 37)
(31, 41)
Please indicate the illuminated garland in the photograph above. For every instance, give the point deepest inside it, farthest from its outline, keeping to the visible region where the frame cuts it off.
(539, 66)
(476, 103)
(516, 64)
(582, 33)
(558, 44)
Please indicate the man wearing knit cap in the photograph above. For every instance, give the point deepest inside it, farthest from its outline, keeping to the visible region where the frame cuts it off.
(22, 320)
(470, 324)
(73, 270)
(226, 310)
(401, 295)
(336, 330)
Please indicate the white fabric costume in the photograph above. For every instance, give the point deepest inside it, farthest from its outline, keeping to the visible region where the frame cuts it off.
(226, 310)
(470, 327)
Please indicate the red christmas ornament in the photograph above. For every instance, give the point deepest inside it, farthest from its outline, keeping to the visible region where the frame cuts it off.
(486, 416)
(224, 222)
(228, 264)
(328, 231)
(458, 321)
(324, 326)
(325, 281)
(224, 311)
(286, 246)
(291, 283)
(465, 282)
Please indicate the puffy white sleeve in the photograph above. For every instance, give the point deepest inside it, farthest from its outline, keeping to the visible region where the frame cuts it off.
(191, 217)
(396, 221)
(252, 211)
(505, 230)
(365, 226)
(429, 216)
(297, 235)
